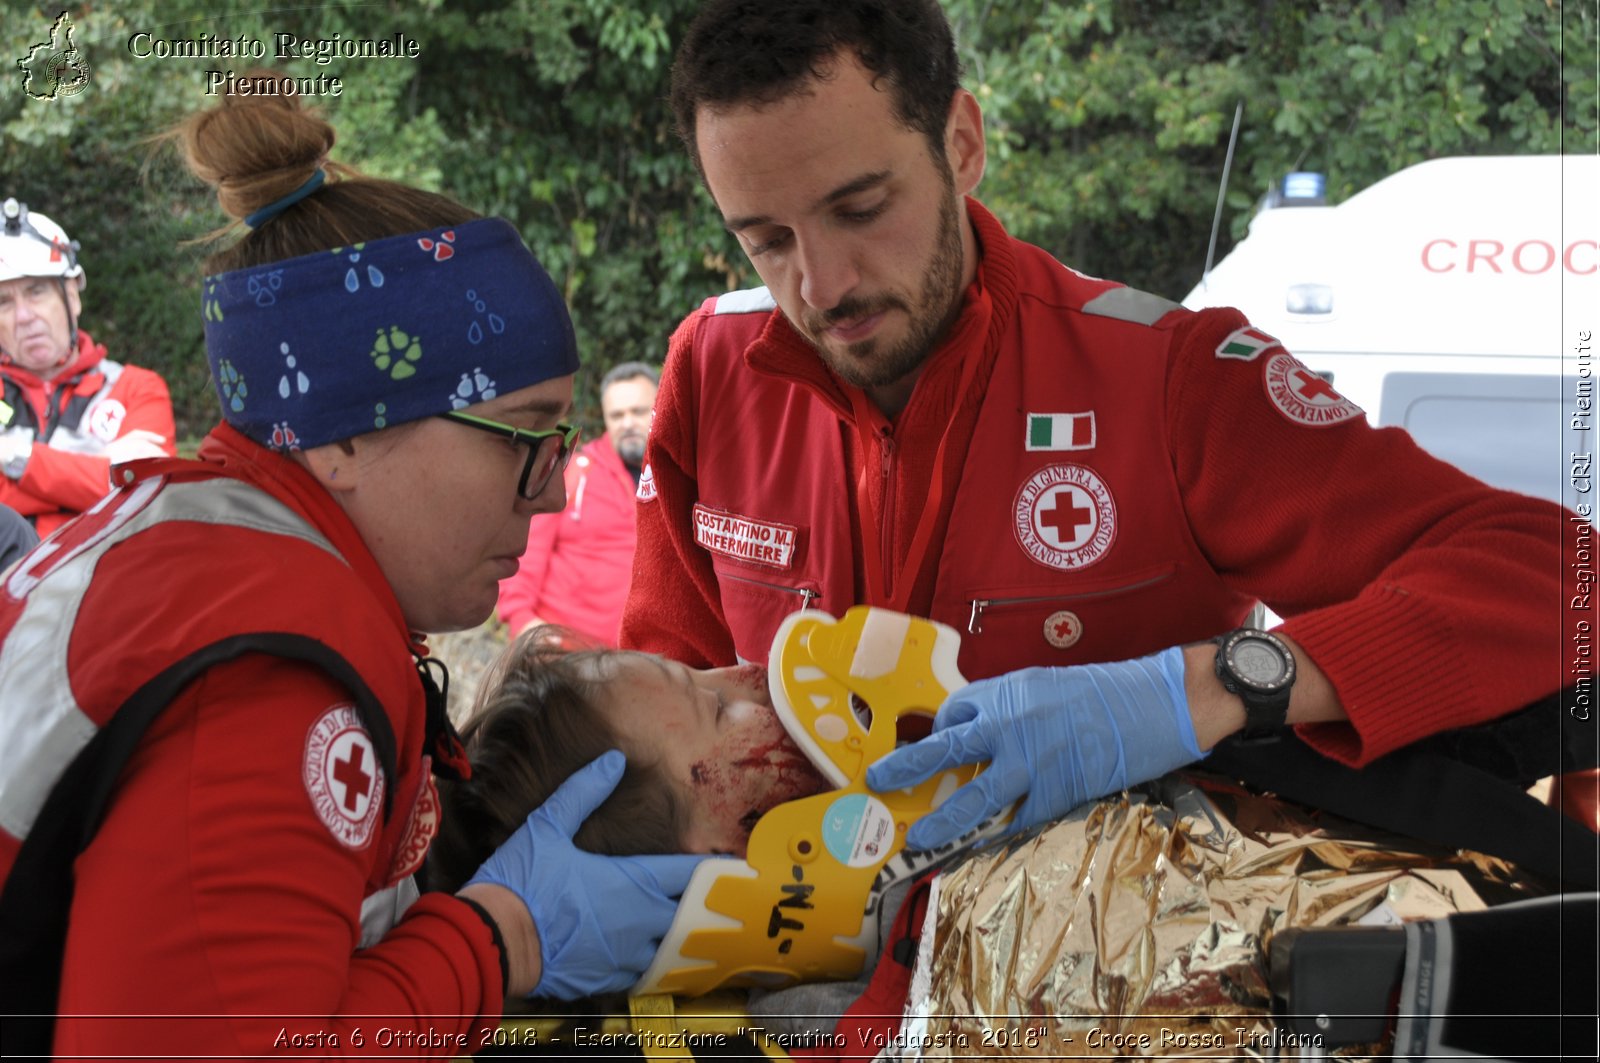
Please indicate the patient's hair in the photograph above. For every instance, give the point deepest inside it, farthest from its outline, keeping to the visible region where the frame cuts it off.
(534, 724)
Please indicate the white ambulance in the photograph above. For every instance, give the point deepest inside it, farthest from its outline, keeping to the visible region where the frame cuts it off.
(1458, 299)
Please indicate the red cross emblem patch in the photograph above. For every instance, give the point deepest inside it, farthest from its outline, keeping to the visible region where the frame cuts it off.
(105, 419)
(1064, 517)
(420, 828)
(342, 776)
(1303, 396)
(1063, 629)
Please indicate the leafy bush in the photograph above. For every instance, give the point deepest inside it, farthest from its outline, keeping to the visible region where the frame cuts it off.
(1107, 121)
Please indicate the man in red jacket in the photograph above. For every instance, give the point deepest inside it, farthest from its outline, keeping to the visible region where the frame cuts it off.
(920, 411)
(68, 412)
(575, 570)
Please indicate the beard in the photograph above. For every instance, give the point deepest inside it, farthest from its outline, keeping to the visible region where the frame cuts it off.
(874, 363)
(631, 450)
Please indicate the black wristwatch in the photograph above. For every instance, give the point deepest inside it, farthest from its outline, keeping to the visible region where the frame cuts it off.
(1259, 667)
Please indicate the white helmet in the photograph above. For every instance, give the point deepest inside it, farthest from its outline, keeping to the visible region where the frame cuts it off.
(31, 245)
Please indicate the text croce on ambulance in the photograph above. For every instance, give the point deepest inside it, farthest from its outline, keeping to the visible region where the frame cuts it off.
(1457, 299)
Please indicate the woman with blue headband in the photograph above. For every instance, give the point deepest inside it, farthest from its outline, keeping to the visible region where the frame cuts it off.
(218, 736)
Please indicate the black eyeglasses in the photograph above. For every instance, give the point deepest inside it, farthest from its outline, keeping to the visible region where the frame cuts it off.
(548, 451)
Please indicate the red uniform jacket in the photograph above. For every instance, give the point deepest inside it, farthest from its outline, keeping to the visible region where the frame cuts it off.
(1106, 474)
(74, 415)
(575, 569)
(219, 908)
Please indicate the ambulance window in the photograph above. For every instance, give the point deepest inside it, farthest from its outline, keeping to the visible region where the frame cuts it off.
(1506, 430)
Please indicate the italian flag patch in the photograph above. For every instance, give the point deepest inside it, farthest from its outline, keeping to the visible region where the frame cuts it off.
(1061, 431)
(1245, 344)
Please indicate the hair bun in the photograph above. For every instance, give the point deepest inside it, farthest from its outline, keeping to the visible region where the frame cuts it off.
(255, 149)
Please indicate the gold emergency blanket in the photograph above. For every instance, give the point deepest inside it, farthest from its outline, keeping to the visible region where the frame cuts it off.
(1140, 929)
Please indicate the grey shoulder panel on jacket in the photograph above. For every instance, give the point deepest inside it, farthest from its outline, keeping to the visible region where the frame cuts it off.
(745, 301)
(1130, 304)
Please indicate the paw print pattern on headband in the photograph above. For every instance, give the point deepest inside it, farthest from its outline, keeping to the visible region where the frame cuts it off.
(302, 383)
(474, 387)
(395, 352)
(376, 340)
(211, 306)
(352, 279)
(497, 324)
(234, 390)
(441, 248)
(283, 437)
(265, 286)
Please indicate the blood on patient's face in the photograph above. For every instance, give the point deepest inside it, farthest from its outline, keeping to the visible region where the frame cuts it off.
(715, 735)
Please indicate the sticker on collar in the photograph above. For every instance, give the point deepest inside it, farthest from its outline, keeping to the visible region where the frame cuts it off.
(1064, 517)
(757, 542)
(342, 776)
(1246, 344)
(1061, 431)
(1305, 397)
(647, 485)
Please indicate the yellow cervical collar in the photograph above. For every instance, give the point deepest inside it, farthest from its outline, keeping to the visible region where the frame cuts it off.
(800, 906)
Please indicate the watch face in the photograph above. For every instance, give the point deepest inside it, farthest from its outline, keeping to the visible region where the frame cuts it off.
(1260, 663)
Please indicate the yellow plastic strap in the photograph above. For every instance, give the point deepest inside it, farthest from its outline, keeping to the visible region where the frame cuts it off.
(656, 1024)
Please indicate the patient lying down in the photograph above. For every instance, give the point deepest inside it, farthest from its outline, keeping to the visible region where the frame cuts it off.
(707, 756)
(1122, 898)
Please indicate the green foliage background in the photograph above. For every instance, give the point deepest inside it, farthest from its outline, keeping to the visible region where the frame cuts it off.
(1107, 120)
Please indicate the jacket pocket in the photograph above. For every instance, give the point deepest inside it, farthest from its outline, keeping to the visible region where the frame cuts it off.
(1006, 628)
(754, 607)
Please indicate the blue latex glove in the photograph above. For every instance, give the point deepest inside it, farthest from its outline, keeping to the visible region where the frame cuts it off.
(600, 918)
(1059, 736)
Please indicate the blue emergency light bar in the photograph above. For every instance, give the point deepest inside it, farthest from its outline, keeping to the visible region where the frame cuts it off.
(1304, 189)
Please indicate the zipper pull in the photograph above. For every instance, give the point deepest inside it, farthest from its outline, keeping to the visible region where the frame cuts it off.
(975, 621)
(886, 452)
(806, 595)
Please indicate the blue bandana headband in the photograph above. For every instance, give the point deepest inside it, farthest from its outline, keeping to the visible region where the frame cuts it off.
(328, 346)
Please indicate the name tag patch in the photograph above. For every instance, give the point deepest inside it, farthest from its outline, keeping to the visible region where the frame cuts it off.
(757, 542)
